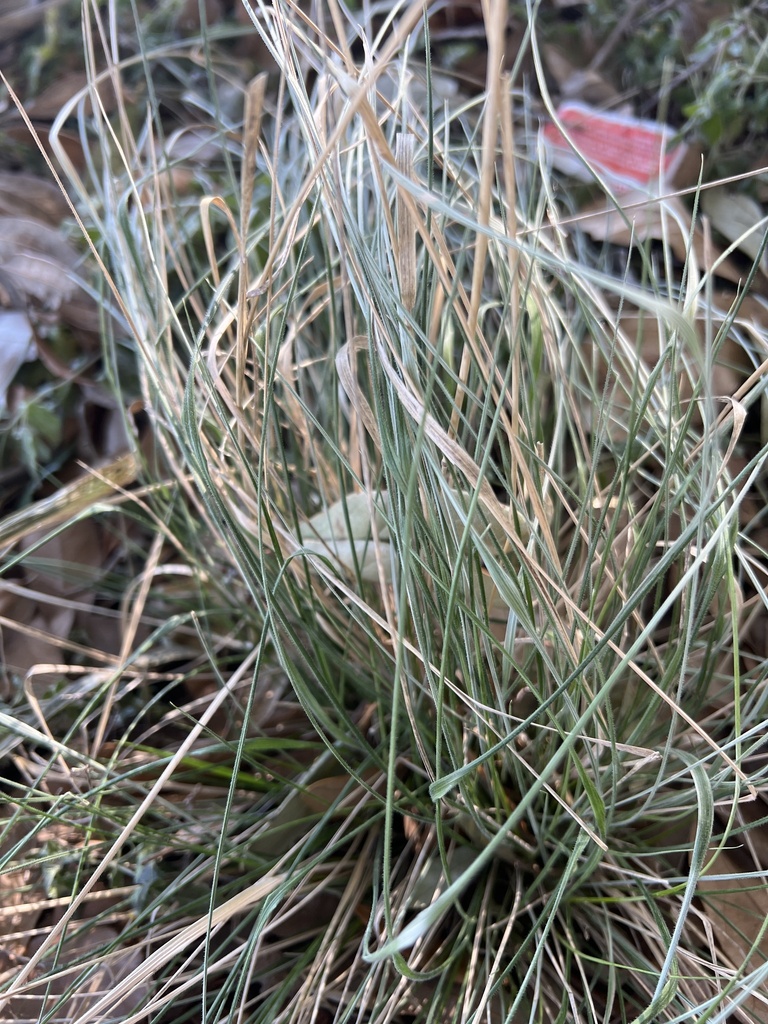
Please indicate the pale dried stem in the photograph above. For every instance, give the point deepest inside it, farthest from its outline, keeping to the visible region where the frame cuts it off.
(495, 18)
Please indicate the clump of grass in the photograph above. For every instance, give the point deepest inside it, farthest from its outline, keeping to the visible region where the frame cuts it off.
(469, 572)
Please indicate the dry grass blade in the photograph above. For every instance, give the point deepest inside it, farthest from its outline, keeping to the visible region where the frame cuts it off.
(70, 501)
(406, 229)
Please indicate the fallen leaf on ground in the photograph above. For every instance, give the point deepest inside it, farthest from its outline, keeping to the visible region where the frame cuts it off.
(636, 219)
(48, 104)
(343, 533)
(738, 218)
(47, 1000)
(32, 643)
(71, 499)
(26, 195)
(19, 16)
(17, 346)
(37, 259)
(737, 907)
(21, 891)
(577, 83)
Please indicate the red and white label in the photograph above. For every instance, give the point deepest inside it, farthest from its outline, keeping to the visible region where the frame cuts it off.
(627, 152)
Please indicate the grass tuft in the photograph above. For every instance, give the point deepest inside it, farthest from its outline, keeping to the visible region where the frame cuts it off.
(436, 698)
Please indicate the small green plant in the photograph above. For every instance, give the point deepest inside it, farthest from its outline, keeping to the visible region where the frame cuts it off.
(729, 71)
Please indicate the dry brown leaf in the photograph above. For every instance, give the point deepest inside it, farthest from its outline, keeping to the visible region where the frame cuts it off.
(17, 346)
(668, 220)
(21, 891)
(37, 260)
(40, 1000)
(84, 315)
(738, 218)
(696, 17)
(188, 18)
(728, 372)
(24, 632)
(737, 908)
(306, 917)
(67, 140)
(47, 105)
(26, 907)
(318, 796)
(644, 340)
(68, 564)
(63, 569)
(577, 83)
(752, 312)
(19, 16)
(26, 195)
(71, 499)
